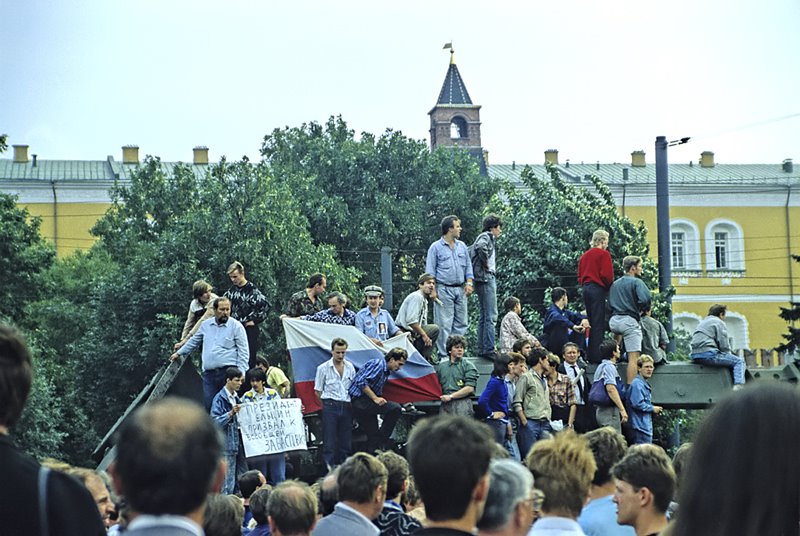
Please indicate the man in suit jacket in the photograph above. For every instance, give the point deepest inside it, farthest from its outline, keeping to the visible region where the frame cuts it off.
(584, 416)
(362, 489)
(169, 457)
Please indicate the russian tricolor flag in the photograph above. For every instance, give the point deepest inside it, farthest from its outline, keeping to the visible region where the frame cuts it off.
(309, 346)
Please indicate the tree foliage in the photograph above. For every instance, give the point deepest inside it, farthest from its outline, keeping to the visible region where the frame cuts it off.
(791, 315)
(23, 255)
(548, 224)
(360, 195)
(168, 228)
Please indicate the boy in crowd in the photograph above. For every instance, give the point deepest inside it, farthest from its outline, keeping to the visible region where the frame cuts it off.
(640, 402)
(457, 377)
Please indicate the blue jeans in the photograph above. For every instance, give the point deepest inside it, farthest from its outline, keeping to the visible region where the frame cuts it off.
(337, 431)
(714, 358)
(237, 466)
(487, 323)
(272, 466)
(213, 381)
(531, 433)
(511, 444)
(499, 429)
(451, 316)
(640, 438)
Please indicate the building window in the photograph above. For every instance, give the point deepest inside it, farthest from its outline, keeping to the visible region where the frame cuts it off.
(721, 250)
(724, 246)
(678, 251)
(685, 245)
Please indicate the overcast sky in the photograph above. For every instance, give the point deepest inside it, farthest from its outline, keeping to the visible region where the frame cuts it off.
(593, 79)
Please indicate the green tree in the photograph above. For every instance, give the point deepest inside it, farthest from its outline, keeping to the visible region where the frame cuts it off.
(171, 226)
(361, 194)
(548, 223)
(23, 255)
(791, 315)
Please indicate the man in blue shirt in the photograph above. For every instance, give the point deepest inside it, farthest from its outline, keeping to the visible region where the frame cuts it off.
(448, 260)
(224, 343)
(366, 393)
(640, 402)
(374, 322)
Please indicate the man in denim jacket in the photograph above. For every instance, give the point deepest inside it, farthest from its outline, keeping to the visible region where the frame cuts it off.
(224, 408)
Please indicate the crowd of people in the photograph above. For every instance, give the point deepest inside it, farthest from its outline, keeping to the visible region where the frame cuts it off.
(170, 470)
(540, 451)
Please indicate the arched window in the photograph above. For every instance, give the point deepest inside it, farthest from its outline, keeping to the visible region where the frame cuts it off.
(684, 245)
(685, 321)
(458, 128)
(737, 330)
(724, 246)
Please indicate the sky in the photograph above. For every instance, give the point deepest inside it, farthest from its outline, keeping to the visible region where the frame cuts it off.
(593, 79)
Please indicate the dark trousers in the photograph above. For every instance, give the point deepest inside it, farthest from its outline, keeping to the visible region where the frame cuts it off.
(337, 431)
(594, 298)
(432, 331)
(584, 419)
(366, 412)
(213, 381)
(252, 343)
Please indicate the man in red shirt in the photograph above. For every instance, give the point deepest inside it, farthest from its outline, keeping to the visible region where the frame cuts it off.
(595, 274)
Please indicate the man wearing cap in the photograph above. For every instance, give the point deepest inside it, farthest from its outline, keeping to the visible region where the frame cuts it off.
(374, 322)
(449, 262)
(413, 316)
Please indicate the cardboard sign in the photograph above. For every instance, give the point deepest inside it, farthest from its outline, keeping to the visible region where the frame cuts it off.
(272, 426)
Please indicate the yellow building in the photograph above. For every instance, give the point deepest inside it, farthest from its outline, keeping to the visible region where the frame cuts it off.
(71, 195)
(733, 231)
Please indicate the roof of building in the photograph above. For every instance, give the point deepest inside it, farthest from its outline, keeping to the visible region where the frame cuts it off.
(453, 90)
(79, 170)
(612, 174)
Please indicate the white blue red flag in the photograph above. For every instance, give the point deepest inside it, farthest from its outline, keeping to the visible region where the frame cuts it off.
(309, 346)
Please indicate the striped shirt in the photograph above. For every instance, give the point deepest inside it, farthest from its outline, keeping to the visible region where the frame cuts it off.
(373, 374)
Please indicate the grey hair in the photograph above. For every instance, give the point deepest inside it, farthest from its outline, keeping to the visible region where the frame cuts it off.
(510, 483)
(340, 297)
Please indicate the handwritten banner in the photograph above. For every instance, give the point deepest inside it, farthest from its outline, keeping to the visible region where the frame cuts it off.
(272, 426)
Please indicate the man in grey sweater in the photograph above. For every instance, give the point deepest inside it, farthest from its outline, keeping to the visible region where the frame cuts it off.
(628, 298)
(711, 344)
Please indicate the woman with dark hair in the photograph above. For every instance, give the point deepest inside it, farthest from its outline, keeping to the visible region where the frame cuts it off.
(493, 402)
(742, 475)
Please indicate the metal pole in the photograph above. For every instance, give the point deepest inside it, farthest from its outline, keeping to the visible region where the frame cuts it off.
(386, 277)
(662, 219)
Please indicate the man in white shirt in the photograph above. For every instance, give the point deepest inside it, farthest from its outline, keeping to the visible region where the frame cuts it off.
(332, 381)
(413, 316)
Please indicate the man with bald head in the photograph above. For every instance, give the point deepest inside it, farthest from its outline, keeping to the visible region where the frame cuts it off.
(169, 457)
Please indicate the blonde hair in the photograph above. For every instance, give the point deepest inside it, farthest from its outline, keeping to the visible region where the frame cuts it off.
(235, 266)
(599, 236)
(563, 467)
(644, 358)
